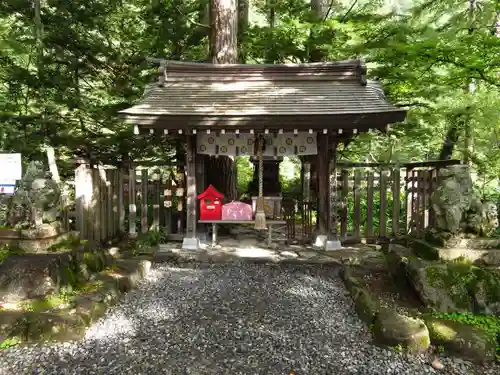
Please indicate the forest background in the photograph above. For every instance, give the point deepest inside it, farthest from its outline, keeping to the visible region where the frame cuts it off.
(68, 67)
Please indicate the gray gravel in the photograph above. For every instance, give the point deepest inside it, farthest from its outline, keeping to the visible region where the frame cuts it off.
(227, 319)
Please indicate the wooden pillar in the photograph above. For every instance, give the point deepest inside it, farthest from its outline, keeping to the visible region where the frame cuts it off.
(323, 163)
(333, 199)
(306, 181)
(83, 198)
(191, 220)
(201, 185)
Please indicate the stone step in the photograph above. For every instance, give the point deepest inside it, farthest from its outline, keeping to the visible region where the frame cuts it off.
(483, 256)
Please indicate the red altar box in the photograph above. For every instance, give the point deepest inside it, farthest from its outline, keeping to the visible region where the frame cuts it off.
(210, 204)
(236, 211)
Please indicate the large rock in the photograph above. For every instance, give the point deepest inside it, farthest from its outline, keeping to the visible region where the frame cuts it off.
(482, 218)
(452, 198)
(23, 277)
(456, 287)
(31, 276)
(487, 291)
(462, 339)
(442, 286)
(35, 326)
(424, 250)
(4, 209)
(458, 208)
(398, 257)
(394, 329)
(37, 199)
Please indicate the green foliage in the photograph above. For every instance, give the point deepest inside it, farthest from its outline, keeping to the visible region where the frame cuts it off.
(487, 323)
(6, 251)
(10, 342)
(67, 244)
(92, 64)
(150, 239)
(245, 174)
(46, 304)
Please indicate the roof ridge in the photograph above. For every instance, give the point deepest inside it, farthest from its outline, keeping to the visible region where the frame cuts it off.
(172, 71)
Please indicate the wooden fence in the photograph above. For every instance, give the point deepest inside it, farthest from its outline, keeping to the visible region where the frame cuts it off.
(111, 201)
(384, 202)
(373, 201)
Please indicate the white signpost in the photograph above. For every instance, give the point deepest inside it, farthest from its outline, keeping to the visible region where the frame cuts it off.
(11, 170)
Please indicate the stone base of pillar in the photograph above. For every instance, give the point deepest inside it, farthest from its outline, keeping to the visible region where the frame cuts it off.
(191, 243)
(332, 245)
(323, 242)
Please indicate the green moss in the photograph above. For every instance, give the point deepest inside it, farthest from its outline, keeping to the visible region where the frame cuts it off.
(443, 333)
(366, 306)
(10, 342)
(46, 304)
(457, 279)
(488, 282)
(70, 243)
(440, 332)
(93, 261)
(89, 287)
(424, 250)
(6, 251)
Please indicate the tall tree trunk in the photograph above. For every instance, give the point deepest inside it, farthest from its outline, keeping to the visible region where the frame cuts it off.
(457, 123)
(243, 13)
(319, 9)
(221, 170)
(471, 88)
(224, 31)
(271, 53)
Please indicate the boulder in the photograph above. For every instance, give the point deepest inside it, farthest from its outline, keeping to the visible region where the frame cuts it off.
(487, 291)
(367, 306)
(365, 258)
(8, 320)
(456, 287)
(444, 287)
(461, 339)
(391, 328)
(424, 250)
(4, 209)
(37, 199)
(397, 258)
(23, 276)
(452, 198)
(32, 276)
(35, 326)
(482, 218)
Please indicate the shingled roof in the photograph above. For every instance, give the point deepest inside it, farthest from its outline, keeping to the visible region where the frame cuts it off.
(329, 95)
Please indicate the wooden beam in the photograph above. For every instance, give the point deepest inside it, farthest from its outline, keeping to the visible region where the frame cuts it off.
(410, 165)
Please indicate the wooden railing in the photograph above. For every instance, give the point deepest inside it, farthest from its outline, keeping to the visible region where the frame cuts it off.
(109, 201)
(379, 201)
(374, 201)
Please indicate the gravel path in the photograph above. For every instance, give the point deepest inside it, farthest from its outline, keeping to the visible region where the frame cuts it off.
(226, 319)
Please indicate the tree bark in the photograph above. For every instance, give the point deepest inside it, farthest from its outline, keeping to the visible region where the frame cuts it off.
(243, 13)
(458, 122)
(221, 170)
(319, 9)
(271, 53)
(224, 31)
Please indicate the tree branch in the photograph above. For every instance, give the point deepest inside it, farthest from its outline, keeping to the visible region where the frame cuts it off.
(189, 19)
(348, 11)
